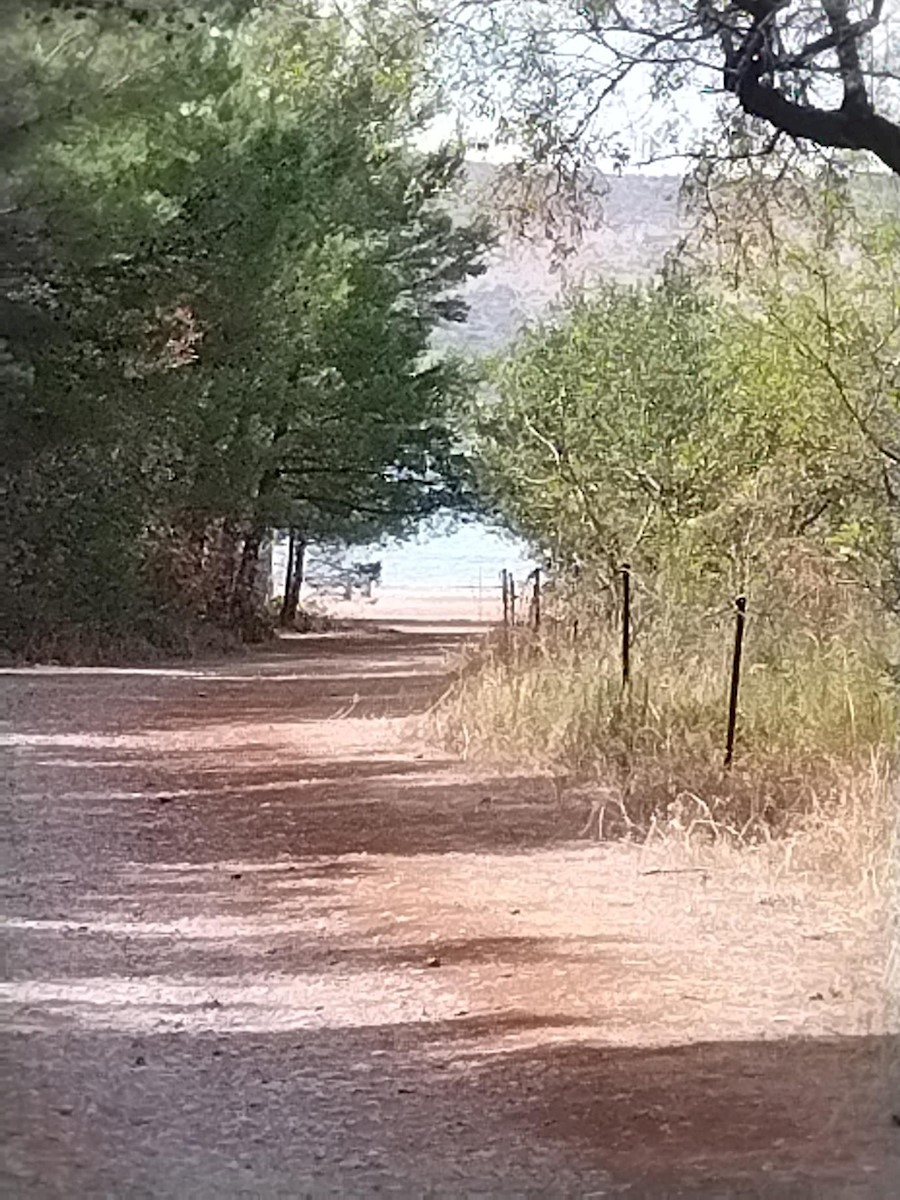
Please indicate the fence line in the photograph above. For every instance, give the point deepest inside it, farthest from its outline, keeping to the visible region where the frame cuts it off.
(740, 606)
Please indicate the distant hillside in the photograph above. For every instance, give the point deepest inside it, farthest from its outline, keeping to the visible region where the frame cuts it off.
(641, 221)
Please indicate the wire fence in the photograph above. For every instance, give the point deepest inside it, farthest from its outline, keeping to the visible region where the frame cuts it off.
(523, 606)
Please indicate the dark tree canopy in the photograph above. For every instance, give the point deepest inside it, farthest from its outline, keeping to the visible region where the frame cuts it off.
(226, 259)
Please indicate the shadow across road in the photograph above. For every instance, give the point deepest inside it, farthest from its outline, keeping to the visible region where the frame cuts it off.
(450, 1107)
(200, 1004)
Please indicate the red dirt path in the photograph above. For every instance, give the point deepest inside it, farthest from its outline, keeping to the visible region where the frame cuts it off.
(263, 940)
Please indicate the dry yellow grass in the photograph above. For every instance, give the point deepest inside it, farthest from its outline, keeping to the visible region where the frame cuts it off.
(817, 734)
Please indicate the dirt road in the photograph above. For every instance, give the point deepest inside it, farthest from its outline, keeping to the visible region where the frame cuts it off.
(263, 940)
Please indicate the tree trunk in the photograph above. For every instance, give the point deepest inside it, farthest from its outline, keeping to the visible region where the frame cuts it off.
(224, 566)
(242, 596)
(294, 580)
(284, 617)
(192, 528)
(196, 584)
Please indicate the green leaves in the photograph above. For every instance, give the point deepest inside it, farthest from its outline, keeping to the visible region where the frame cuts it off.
(247, 263)
(699, 434)
(601, 412)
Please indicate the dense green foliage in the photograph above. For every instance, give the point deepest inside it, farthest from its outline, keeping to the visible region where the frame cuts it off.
(229, 264)
(711, 436)
(722, 433)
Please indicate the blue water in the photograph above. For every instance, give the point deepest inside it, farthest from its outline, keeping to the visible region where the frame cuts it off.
(469, 556)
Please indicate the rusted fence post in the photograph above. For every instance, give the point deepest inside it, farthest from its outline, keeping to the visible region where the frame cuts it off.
(512, 600)
(740, 605)
(575, 622)
(626, 624)
(505, 586)
(537, 599)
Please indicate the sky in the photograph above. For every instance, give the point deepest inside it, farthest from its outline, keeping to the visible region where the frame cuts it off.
(633, 112)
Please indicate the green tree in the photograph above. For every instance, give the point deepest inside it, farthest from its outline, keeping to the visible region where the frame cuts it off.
(703, 434)
(243, 259)
(814, 365)
(594, 441)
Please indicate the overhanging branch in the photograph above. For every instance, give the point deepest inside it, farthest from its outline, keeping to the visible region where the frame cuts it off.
(841, 129)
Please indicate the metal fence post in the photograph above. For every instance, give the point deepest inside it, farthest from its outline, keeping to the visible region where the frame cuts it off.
(626, 624)
(740, 605)
(575, 622)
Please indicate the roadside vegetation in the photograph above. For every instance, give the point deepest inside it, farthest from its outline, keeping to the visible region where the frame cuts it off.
(226, 262)
(723, 433)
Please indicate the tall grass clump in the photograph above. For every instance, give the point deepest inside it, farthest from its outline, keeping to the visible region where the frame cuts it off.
(819, 715)
(727, 430)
